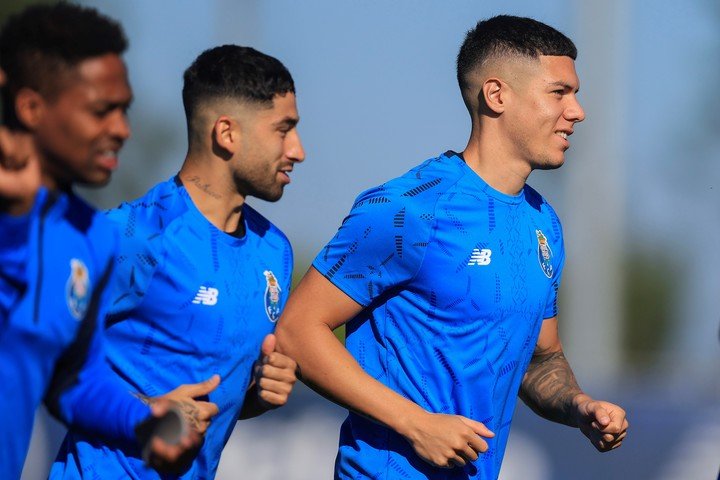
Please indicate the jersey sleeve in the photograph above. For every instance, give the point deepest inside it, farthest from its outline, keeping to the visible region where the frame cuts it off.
(380, 245)
(13, 258)
(551, 308)
(84, 392)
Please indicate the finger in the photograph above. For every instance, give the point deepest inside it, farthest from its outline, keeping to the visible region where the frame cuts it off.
(207, 410)
(477, 427)
(469, 453)
(286, 375)
(456, 461)
(202, 388)
(268, 345)
(279, 360)
(272, 398)
(478, 444)
(602, 417)
(268, 385)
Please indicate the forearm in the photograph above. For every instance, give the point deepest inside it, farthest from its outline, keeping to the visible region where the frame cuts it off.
(549, 388)
(328, 368)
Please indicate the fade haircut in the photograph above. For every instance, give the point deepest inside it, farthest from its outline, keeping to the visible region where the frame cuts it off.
(509, 36)
(234, 72)
(43, 42)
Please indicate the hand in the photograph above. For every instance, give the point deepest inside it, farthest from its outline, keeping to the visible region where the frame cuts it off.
(447, 441)
(197, 413)
(167, 442)
(274, 375)
(602, 422)
(19, 171)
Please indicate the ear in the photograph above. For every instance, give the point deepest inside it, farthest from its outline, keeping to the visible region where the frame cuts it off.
(29, 108)
(226, 134)
(493, 92)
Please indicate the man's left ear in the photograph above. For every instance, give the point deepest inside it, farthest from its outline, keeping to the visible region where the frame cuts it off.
(226, 134)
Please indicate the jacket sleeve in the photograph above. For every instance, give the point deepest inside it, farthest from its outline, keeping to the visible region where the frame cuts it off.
(84, 392)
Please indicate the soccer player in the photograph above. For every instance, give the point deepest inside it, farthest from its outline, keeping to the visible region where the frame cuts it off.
(204, 275)
(447, 279)
(64, 99)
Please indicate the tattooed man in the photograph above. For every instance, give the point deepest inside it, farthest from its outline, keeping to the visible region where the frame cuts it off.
(447, 280)
(203, 276)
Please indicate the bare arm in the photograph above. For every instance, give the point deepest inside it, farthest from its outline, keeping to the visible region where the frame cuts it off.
(304, 333)
(549, 388)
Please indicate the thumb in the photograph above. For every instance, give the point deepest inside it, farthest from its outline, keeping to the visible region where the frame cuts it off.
(477, 427)
(204, 387)
(268, 345)
(602, 416)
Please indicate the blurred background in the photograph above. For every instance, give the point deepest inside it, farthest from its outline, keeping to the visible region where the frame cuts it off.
(639, 197)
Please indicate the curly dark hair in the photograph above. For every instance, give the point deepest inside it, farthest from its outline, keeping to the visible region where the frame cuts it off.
(44, 41)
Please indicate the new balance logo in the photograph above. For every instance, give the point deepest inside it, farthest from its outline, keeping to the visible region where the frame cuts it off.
(480, 257)
(206, 296)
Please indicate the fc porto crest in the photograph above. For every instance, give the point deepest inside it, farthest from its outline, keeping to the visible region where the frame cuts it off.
(272, 296)
(77, 289)
(544, 254)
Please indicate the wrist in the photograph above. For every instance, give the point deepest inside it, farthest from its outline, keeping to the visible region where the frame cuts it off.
(406, 423)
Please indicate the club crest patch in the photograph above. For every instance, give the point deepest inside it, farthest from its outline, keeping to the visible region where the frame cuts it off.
(272, 296)
(77, 289)
(544, 254)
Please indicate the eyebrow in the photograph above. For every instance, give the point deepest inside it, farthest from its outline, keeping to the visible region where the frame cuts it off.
(287, 122)
(566, 86)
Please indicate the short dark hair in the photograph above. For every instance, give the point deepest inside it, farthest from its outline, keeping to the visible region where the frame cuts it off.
(232, 71)
(41, 41)
(506, 35)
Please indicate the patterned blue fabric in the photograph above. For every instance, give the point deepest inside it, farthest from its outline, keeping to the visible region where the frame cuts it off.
(55, 264)
(192, 301)
(456, 279)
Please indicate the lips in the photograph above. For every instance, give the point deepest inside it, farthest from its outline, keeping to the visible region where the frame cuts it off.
(108, 160)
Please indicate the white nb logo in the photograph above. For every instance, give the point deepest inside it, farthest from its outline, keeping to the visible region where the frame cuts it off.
(206, 296)
(480, 257)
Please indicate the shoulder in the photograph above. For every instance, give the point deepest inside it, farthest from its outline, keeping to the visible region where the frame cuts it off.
(150, 212)
(417, 190)
(263, 227)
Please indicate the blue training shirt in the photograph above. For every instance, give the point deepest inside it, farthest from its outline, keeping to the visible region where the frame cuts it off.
(456, 279)
(192, 301)
(55, 264)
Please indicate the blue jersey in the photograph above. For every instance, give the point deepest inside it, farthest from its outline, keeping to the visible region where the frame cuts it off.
(456, 279)
(55, 264)
(193, 301)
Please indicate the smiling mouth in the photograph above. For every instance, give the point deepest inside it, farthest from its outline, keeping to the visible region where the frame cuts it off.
(562, 134)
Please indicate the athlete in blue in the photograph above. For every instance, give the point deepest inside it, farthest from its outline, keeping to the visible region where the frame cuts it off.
(205, 276)
(447, 280)
(65, 95)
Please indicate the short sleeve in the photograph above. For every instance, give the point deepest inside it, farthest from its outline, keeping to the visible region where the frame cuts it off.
(380, 245)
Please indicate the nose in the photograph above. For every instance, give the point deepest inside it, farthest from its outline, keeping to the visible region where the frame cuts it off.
(574, 112)
(294, 149)
(119, 126)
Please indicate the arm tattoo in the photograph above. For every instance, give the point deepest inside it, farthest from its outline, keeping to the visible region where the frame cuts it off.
(188, 409)
(549, 387)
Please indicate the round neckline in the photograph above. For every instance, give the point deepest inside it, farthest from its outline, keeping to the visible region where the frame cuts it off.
(482, 184)
(225, 237)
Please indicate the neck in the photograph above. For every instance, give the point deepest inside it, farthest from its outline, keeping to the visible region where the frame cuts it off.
(487, 156)
(213, 192)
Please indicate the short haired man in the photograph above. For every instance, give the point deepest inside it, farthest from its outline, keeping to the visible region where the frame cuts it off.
(65, 97)
(204, 276)
(447, 279)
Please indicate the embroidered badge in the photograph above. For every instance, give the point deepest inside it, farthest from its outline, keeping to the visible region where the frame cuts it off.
(272, 296)
(544, 254)
(77, 289)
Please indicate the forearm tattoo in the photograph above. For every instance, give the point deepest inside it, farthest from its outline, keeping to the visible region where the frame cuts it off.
(549, 387)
